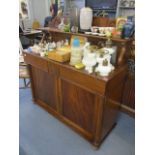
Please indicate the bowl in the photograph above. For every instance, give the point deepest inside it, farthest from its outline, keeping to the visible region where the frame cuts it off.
(94, 29)
(102, 30)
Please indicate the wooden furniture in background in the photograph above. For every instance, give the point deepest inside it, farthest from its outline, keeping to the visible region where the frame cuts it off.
(103, 22)
(128, 100)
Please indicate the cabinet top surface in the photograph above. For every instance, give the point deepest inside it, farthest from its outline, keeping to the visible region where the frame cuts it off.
(66, 65)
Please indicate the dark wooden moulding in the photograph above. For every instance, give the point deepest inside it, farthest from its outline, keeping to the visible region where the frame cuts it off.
(88, 103)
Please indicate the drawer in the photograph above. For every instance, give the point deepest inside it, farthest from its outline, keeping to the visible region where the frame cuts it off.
(36, 61)
(85, 81)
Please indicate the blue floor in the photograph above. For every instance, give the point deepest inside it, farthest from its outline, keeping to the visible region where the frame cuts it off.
(42, 134)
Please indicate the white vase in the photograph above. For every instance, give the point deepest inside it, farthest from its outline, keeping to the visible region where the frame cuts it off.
(61, 25)
(86, 17)
(89, 62)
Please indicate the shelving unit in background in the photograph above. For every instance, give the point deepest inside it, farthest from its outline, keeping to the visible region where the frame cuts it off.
(126, 11)
(124, 8)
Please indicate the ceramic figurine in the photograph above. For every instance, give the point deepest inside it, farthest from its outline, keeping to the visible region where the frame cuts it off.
(53, 45)
(58, 44)
(74, 29)
(42, 54)
(86, 49)
(61, 25)
(66, 43)
(47, 47)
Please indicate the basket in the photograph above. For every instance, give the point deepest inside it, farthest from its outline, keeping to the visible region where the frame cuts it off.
(60, 55)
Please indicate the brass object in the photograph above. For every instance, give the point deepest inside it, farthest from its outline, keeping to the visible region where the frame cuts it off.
(100, 52)
(105, 62)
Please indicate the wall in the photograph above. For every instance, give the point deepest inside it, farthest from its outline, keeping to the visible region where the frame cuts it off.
(40, 10)
(71, 3)
(26, 22)
(37, 9)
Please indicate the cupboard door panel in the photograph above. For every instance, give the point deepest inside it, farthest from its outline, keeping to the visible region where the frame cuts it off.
(78, 105)
(45, 87)
(129, 92)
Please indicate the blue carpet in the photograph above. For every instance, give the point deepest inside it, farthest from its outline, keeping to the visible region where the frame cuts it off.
(42, 134)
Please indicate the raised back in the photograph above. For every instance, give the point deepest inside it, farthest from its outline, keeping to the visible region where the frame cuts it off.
(105, 22)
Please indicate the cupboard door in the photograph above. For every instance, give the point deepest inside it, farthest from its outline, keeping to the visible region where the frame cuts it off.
(78, 105)
(45, 87)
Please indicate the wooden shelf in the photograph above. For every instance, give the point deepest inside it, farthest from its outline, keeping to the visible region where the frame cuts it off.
(123, 7)
(47, 29)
